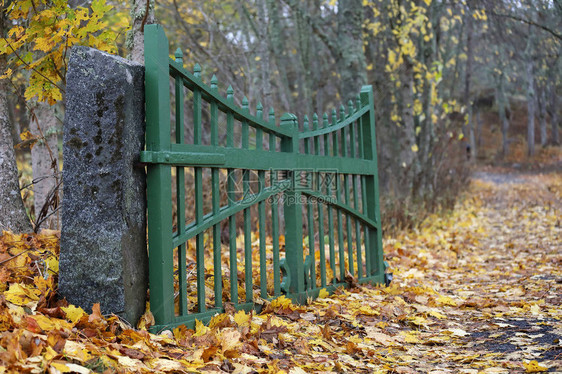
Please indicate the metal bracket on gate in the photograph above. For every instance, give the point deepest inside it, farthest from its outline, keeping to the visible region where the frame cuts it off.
(286, 276)
(183, 158)
(387, 276)
(308, 281)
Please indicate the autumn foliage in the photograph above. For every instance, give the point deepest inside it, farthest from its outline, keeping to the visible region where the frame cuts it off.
(475, 291)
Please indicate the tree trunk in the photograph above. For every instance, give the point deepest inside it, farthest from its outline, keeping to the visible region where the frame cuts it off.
(142, 13)
(304, 73)
(407, 136)
(352, 65)
(468, 131)
(44, 163)
(263, 52)
(530, 109)
(530, 95)
(541, 101)
(277, 44)
(472, 134)
(554, 118)
(501, 102)
(12, 212)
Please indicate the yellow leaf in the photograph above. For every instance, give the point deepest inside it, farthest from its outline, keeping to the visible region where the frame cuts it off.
(418, 321)
(52, 264)
(323, 294)
(200, 328)
(436, 314)
(427, 2)
(26, 135)
(7, 74)
(241, 318)
(415, 148)
(282, 302)
(20, 295)
(230, 339)
(218, 320)
(446, 300)
(73, 314)
(534, 367)
(60, 367)
(410, 338)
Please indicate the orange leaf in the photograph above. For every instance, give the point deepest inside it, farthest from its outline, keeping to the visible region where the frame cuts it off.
(96, 313)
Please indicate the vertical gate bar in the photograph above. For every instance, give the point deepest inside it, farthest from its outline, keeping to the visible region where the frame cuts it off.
(360, 128)
(247, 238)
(217, 266)
(344, 145)
(366, 247)
(272, 137)
(199, 238)
(245, 127)
(231, 196)
(341, 249)
(372, 184)
(329, 208)
(357, 229)
(197, 130)
(261, 211)
(368, 254)
(334, 135)
(344, 151)
(180, 188)
(230, 119)
(320, 208)
(316, 138)
(247, 213)
(306, 140)
(293, 215)
(274, 215)
(259, 131)
(215, 182)
(348, 225)
(344, 133)
(352, 151)
(275, 235)
(310, 211)
(159, 177)
(232, 238)
(326, 136)
(261, 222)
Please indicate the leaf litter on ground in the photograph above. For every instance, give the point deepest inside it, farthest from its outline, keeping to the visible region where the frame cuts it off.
(478, 290)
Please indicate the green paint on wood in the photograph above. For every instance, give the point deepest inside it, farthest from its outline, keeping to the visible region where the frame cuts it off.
(337, 168)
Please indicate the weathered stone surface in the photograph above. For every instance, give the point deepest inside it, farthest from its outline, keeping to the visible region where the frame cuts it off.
(103, 254)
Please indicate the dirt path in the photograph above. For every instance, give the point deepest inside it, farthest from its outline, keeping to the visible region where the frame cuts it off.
(504, 280)
(517, 294)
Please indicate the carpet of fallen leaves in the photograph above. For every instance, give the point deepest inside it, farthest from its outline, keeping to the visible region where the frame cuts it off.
(476, 291)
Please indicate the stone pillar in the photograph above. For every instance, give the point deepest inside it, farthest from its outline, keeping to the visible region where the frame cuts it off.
(103, 256)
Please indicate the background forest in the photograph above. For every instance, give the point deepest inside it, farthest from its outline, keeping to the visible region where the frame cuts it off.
(455, 81)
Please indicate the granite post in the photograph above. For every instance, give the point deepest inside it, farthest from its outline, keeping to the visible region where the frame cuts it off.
(103, 256)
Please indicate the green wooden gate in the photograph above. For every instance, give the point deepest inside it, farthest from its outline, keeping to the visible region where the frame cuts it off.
(318, 186)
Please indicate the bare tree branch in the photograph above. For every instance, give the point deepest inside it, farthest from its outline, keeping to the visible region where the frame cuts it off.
(528, 22)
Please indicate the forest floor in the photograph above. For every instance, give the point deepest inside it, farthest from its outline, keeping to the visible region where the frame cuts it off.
(478, 290)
